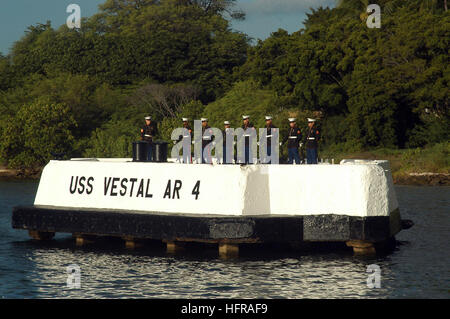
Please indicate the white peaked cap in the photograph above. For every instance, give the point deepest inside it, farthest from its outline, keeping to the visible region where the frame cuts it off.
(292, 119)
(311, 120)
(268, 118)
(185, 119)
(204, 119)
(244, 117)
(148, 117)
(226, 122)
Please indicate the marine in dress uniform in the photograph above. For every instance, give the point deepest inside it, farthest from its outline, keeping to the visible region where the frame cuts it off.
(269, 134)
(247, 125)
(207, 138)
(227, 126)
(187, 138)
(312, 140)
(293, 139)
(148, 131)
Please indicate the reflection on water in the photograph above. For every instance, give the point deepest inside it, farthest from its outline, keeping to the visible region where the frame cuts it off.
(133, 275)
(418, 268)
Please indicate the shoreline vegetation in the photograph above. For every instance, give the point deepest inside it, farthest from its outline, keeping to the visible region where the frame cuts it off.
(377, 93)
(419, 166)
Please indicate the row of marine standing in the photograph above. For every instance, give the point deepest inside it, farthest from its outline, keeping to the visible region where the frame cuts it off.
(293, 139)
(294, 142)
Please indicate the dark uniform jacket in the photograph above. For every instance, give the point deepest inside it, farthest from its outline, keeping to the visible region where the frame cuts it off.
(294, 137)
(312, 138)
(149, 131)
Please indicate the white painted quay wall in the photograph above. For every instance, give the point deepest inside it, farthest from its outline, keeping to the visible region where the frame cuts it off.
(353, 188)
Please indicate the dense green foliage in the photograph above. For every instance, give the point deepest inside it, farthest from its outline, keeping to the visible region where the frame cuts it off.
(385, 87)
(37, 131)
(85, 92)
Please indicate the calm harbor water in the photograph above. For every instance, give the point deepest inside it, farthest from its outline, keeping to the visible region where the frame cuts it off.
(418, 268)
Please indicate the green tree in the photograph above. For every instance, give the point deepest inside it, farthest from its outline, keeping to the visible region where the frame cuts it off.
(165, 41)
(89, 101)
(113, 139)
(37, 131)
(372, 117)
(6, 73)
(192, 110)
(220, 7)
(33, 51)
(382, 82)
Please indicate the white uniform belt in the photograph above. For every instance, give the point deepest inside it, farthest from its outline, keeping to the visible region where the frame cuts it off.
(206, 138)
(269, 135)
(292, 136)
(311, 138)
(147, 135)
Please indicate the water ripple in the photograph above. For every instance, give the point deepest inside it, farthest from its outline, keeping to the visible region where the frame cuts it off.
(417, 269)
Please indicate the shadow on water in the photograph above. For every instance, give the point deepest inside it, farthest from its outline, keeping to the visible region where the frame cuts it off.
(195, 251)
(263, 271)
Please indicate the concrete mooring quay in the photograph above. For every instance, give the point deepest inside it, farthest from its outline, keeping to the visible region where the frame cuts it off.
(227, 205)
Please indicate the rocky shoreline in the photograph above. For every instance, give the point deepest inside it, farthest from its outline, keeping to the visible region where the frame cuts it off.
(430, 179)
(13, 174)
(8, 173)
